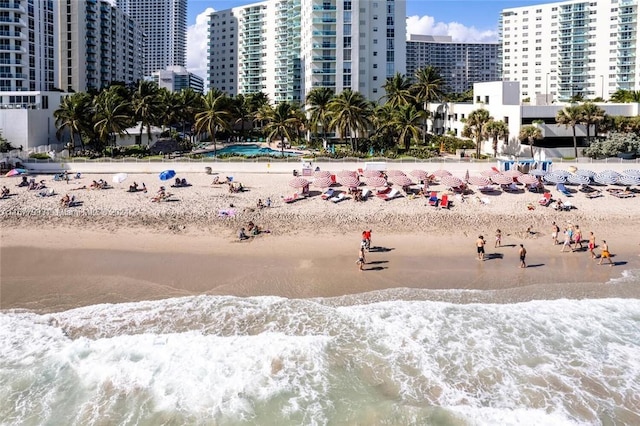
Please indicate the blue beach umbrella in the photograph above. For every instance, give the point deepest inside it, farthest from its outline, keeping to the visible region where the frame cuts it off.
(537, 172)
(585, 172)
(629, 180)
(554, 178)
(167, 174)
(632, 172)
(15, 172)
(579, 180)
(605, 179)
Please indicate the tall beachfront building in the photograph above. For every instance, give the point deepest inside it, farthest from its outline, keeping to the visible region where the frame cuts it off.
(176, 79)
(572, 48)
(99, 44)
(164, 23)
(285, 48)
(460, 63)
(28, 50)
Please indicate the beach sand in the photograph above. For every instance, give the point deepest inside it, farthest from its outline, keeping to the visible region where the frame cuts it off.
(120, 247)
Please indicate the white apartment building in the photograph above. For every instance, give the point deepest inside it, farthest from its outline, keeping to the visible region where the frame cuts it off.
(98, 44)
(28, 50)
(285, 48)
(164, 24)
(177, 78)
(565, 49)
(460, 64)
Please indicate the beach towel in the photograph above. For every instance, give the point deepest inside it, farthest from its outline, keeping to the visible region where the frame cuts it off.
(226, 213)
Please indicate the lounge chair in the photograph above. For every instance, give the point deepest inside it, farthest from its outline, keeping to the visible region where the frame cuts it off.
(594, 194)
(512, 188)
(433, 198)
(487, 189)
(292, 198)
(619, 193)
(545, 200)
(587, 189)
(444, 201)
(341, 196)
(560, 187)
(327, 194)
(391, 195)
(384, 191)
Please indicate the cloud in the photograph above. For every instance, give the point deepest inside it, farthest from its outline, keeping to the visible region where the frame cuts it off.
(197, 38)
(427, 25)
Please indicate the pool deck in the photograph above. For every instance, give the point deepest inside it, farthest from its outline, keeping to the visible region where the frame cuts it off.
(222, 145)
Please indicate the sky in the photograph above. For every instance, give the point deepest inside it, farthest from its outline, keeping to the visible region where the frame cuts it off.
(463, 20)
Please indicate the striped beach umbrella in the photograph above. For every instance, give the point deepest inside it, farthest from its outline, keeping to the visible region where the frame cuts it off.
(501, 179)
(538, 172)
(610, 173)
(376, 181)
(632, 172)
(584, 172)
(298, 182)
(322, 174)
(527, 179)
(513, 173)
(451, 181)
(372, 173)
(349, 181)
(419, 174)
(401, 180)
(441, 173)
(554, 178)
(578, 179)
(564, 173)
(629, 180)
(605, 179)
(343, 173)
(489, 173)
(395, 173)
(322, 182)
(479, 180)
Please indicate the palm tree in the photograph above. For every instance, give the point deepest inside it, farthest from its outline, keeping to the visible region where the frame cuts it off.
(407, 121)
(350, 113)
(283, 121)
(497, 130)
(112, 114)
(474, 126)
(570, 116)
(592, 115)
(429, 87)
(146, 106)
(168, 113)
(318, 101)
(187, 103)
(398, 91)
(72, 115)
(625, 96)
(214, 115)
(530, 133)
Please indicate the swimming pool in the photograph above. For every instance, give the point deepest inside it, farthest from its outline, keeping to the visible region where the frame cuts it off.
(251, 150)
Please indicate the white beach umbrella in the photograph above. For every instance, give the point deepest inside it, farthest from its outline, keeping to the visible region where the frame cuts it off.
(629, 180)
(119, 177)
(554, 178)
(632, 172)
(564, 173)
(610, 173)
(605, 179)
(527, 179)
(579, 180)
(538, 172)
(584, 172)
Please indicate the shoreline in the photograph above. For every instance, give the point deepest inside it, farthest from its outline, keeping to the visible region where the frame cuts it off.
(46, 270)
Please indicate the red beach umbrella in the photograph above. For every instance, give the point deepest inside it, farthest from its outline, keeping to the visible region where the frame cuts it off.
(527, 179)
(419, 174)
(298, 182)
(322, 182)
(395, 173)
(513, 173)
(322, 174)
(401, 180)
(489, 173)
(441, 173)
(343, 173)
(376, 182)
(372, 173)
(501, 179)
(479, 180)
(451, 181)
(349, 181)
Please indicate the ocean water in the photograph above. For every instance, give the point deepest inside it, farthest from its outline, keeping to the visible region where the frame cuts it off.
(375, 360)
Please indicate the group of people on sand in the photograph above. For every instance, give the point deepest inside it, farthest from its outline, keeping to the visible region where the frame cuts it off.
(480, 243)
(251, 230)
(573, 239)
(135, 188)
(67, 201)
(261, 205)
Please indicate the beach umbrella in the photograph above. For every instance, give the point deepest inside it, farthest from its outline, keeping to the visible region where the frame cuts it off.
(629, 180)
(343, 173)
(419, 174)
(538, 172)
(501, 179)
(15, 172)
(584, 172)
(119, 177)
(489, 173)
(401, 180)
(322, 182)
(563, 173)
(441, 173)
(527, 179)
(479, 180)
(298, 182)
(451, 181)
(513, 173)
(610, 173)
(376, 182)
(167, 174)
(632, 172)
(395, 173)
(605, 179)
(349, 181)
(372, 173)
(579, 180)
(322, 174)
(554, 178)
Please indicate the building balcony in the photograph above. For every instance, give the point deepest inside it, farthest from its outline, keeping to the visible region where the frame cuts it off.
(324, 7)
(324, 71)
(12, 48)
(12, 34)
(323, 33)
(324, 58)
(12, 6)
(324, 20)
(323, 45)
(16, 76)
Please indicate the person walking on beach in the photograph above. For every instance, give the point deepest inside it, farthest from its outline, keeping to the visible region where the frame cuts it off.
(361, 259)
(480, 247)
(577, 238)
(592, 244)
(555, 229)
(605, 253)
(366, 238)
(498, 238)
(567, 240)
(523, 255)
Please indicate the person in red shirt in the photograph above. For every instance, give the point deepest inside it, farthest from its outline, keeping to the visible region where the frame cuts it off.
(366, 237)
